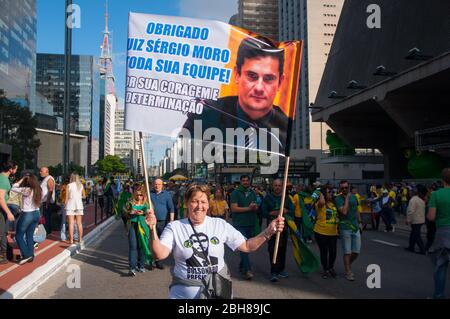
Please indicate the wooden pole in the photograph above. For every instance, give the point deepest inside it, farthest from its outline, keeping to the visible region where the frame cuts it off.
(283, 199)
(147, 187)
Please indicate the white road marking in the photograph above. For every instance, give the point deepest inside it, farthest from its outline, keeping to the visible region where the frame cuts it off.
(385, 243)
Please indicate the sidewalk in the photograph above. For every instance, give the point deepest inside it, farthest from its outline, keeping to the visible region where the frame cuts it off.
(50, 255)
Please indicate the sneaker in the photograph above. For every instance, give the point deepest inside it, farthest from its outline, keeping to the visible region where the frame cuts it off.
(150, 267)
(332, 273)
(325, 274)
(141, 269)
(159, 265)
(132, 273)
(283, 274)
(273, 277)
(393, 229)
(36, 245)
(24, 260)
(248, 275)
(350, 276)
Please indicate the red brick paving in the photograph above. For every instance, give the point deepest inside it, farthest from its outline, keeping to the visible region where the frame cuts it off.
(11, 272)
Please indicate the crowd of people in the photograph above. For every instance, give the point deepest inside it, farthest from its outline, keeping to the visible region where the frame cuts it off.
(193, 222)
(28, 200)
(323, 213)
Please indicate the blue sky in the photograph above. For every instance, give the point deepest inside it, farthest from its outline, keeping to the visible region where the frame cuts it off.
(88, 38)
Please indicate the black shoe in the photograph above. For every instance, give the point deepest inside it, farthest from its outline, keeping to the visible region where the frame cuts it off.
(149, 267)
(409, 249)
(420, 252)
(159, 265)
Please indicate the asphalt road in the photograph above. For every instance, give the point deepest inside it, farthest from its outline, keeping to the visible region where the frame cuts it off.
(104, 267)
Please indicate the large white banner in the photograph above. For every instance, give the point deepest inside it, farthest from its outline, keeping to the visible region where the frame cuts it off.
(182, 71)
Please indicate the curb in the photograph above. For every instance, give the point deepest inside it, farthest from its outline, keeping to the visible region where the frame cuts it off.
(25, 286)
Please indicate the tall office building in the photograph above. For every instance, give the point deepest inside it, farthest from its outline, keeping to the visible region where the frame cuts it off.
(18, 51)
(124, 145)
(259, 16)
(108, 98)
(84, 94)
(314, 22)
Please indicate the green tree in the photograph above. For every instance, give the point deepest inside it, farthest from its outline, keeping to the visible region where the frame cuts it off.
(18, 129)
(73, 168)
(111, 164)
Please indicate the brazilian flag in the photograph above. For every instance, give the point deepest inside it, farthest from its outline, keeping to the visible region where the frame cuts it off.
(307, 261)
(143, 235)
(307, 224)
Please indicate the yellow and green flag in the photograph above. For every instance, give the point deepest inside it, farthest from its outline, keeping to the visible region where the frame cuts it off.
(307, 261)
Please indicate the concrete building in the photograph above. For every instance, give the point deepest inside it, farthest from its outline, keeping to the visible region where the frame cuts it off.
(385, 85)
(84, 95)
(123, 140)
(49, 153)
(314, 22)
(109, 124)
(259, 16)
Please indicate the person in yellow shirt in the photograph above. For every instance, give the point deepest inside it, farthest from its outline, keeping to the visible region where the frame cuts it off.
(393, 195)
(359, 198)
(326, 231)
(218, 206)
(404, 199)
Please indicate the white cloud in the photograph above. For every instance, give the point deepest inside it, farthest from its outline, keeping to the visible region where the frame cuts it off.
(221, 10)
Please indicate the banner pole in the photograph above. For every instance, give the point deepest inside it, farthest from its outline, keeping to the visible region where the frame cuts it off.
(144, 164)
(283, 199)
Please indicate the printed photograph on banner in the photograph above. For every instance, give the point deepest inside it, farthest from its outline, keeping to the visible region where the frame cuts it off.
(210, 81)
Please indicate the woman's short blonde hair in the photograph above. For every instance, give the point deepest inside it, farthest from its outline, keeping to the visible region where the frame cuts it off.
(194, 189)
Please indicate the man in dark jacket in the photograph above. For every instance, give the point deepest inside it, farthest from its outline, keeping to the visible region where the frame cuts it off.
(271, 209)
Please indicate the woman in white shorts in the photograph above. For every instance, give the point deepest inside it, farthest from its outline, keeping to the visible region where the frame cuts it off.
(74, 206)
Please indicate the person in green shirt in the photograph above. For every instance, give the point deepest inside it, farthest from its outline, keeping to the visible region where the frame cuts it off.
(244, 210)
(8, 168)
(136, 210)
(439, 211)
(270, 210)
(347, 206)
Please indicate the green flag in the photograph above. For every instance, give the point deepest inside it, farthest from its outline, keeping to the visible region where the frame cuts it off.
(143, 238)
(307, 261)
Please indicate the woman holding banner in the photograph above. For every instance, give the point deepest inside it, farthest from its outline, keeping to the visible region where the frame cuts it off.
(197, 243)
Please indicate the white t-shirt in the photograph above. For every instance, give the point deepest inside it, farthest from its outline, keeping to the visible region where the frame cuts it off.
(27, 198)
(179, 237)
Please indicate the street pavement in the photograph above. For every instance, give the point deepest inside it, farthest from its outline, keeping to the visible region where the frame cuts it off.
(104, 267)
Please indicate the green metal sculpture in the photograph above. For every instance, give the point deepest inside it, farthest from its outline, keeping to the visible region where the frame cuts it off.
(337, 146)
(424, 164)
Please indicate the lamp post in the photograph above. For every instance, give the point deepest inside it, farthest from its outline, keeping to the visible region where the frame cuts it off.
(67, 58)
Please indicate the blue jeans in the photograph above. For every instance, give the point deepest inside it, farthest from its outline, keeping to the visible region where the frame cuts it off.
(247, 232)
(135, 253)
(440, 274)
(25, 226)
(15, 210)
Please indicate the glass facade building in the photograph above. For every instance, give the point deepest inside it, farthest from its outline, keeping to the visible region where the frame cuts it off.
(84, 94)
(259, 16)
(18, 51)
